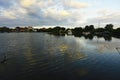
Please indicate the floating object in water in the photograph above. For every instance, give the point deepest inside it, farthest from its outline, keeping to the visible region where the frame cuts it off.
(69, 32)
(4, 60)
(117, 48)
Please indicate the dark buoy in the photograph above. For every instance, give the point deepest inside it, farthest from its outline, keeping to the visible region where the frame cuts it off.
(117, 48)
(4, 60)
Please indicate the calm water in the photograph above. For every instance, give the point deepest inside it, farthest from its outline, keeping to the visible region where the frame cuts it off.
(40, 56)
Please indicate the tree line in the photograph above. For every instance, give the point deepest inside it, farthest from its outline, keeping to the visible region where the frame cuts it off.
(88, 29)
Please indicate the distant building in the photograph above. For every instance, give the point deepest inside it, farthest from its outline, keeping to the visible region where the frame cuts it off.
(35, 30)
(17, 29)
(21, 29)
(30, 29)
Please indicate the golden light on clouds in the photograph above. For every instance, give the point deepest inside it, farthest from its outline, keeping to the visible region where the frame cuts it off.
(10, 15)
(27, 3)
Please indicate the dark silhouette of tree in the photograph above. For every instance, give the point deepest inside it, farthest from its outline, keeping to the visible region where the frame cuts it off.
(77, 31)
(1, 29)
(86, 29)
(56, 30)
(88, 32)
(116, 33)
(89, 36)
(89, 28)
(109, 27)
(4, 29)
(62, 28)
(99, 30)
(107, 38)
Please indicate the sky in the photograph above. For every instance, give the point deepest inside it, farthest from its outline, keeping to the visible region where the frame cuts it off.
(68, 13)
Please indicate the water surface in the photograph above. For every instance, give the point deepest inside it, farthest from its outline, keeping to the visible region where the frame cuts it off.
(40, 56)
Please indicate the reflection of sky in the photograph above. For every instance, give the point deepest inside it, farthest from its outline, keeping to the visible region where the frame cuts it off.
(84, 44)
(41, 52)
(95, 45)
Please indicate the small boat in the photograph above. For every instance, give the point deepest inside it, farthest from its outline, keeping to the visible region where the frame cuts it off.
(69, 32)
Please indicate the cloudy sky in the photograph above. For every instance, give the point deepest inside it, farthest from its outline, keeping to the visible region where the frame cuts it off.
(59, 12)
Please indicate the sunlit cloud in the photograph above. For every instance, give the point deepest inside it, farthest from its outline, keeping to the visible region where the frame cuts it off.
(57, 15)
(10, 15)
(27, 3)
(75, 4)
(57, 12)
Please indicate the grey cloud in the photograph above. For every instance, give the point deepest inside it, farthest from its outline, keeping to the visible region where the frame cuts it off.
(5, 3)
(47, 12)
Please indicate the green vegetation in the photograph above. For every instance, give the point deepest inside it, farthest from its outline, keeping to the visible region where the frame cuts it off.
(88, 30)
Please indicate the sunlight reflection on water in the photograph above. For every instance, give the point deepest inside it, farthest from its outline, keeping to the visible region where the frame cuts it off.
(35, 55)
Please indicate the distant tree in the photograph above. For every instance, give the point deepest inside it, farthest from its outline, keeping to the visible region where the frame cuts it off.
(86, 28)
(62, 28)
(58, 29)
(89, 28)
(109, 27)
(99, 30)
(5, 29)
(117, 31)
(0, 29)
(78, 30)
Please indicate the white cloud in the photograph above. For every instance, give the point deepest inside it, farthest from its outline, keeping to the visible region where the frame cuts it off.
(57, 14)
(108, 15)
(45, 12)
(54, 12)
(49, 10)
(105, 16)
(75, 4)
(27, 3)
(9, 14)
(45, 4)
